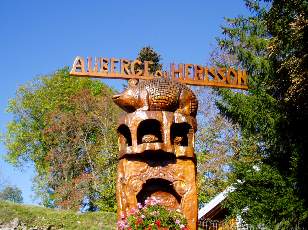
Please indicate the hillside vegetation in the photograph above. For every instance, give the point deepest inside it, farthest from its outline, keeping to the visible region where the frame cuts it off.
(34, 217)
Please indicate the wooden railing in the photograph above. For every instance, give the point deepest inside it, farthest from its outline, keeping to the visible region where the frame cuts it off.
(216, 225)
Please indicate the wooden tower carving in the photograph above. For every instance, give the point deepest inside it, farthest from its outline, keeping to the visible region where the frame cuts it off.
(156, 147)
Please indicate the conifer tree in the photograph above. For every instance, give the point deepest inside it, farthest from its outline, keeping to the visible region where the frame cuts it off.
(270, 173)
(147, 53)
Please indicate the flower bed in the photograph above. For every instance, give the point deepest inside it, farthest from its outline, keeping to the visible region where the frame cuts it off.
(152, 216)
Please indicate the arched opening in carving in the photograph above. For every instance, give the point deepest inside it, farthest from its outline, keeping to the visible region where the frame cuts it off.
(179, 133)
(125, 135)
(149, 131)
(162, 190)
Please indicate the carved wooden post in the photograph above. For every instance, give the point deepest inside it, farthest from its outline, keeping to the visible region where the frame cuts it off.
(156, 147)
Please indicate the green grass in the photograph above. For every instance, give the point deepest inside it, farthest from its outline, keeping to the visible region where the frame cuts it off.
(58, 219)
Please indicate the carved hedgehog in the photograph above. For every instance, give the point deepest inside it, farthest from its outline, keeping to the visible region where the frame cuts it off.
(158, 94)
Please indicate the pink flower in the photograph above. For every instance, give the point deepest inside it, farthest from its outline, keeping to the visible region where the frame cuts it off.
(133, 210)
(139, 205)
(177, 221)
(122, 224)
(142, 216)
(139, 221)
(182, 226)
(151, 201)
(154, 201)
(147, 202)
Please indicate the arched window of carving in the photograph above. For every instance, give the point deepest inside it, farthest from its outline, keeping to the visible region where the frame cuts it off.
(125, 135)
(162, 190)
(149, 131)
(179, 133)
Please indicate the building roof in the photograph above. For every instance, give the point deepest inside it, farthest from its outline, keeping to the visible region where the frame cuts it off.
(214, 203)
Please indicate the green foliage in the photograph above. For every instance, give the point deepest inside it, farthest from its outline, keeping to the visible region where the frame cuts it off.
(270, 173)
(263, 193)
(68, 125)
(30, 107)
(11, 193)
(153, 216)
(82, 151)
(45, 218)
(149, 54)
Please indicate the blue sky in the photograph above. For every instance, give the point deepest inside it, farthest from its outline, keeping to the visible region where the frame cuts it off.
(39, 37)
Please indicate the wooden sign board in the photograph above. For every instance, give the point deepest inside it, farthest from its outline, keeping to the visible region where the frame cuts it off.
(185, 73)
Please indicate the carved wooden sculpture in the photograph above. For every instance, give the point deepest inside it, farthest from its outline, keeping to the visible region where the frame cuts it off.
(158, 94)
(156, 146)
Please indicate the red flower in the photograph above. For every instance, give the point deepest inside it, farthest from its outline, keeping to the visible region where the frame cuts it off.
(139, 221)
(157, 222)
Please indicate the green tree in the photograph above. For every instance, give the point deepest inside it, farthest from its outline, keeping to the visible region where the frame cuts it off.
(82, 152)
(11, 193)
(147, 53)
(39, 110)
(270, 173)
